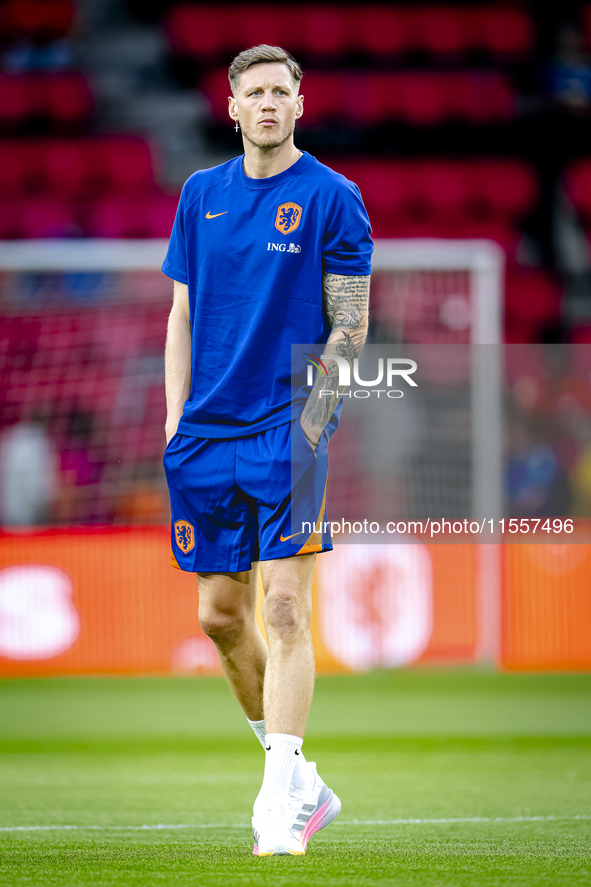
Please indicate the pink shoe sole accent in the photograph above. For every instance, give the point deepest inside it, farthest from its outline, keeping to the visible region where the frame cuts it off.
(323, 816)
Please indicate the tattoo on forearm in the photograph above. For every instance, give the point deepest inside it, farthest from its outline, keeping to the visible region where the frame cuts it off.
(346, 302)
(347, 348)
(350, 318)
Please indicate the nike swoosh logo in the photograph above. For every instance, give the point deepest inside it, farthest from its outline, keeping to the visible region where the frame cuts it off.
(209, 215)
(285, 538)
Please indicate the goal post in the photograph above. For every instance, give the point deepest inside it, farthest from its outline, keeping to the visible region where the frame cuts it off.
(483, 263)
(82, 255)
(426, 290)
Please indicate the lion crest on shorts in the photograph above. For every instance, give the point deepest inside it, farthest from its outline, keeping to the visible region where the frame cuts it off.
(184, 533)
(288, 217)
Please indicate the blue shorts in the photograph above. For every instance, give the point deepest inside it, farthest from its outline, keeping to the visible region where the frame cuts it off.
(240, 500)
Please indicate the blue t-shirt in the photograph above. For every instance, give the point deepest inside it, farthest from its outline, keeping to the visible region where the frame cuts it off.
(252, 252)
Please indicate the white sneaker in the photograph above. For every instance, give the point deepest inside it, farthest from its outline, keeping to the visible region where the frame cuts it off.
(312, 809)
(272, 834)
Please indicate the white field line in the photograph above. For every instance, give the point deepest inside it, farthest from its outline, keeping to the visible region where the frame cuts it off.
(206, 825)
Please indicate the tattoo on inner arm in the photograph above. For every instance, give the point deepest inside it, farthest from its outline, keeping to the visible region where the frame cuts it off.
(346, 302)
(347, 348)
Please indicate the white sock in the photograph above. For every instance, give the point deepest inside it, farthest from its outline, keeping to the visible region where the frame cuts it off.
(302, 777)
(259, 730)
(280, 759)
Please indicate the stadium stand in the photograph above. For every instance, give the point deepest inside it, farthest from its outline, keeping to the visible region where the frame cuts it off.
(369, 97)
(198, 31)
(56, 102)
(532, 303)
(430, 109)
(100, 186)
(38, 20)
(442, 197)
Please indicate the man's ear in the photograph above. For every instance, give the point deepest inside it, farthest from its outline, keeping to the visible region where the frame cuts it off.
(232, 107)
(300, 107)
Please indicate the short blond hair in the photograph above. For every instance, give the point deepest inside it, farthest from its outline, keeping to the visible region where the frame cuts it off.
(260, 55)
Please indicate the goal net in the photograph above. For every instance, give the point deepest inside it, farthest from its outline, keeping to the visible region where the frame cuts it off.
(436, 451)
(83, 327)
(83, 410)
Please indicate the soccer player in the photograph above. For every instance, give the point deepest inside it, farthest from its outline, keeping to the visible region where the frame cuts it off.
(269, 249)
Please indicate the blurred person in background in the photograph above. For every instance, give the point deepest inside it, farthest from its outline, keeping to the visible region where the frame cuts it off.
(268, 250)
(536, 477)
(569, 75)
(28, 473)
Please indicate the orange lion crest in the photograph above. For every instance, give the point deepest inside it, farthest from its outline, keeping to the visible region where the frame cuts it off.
(185, 536)
(288, 218)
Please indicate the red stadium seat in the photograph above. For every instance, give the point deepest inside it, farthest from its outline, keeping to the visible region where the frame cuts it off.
(42, 181)
(326, 97)
(508, 185)
(68, 100)
(62, 100)
(113, 217)
(388, 187)
(65, 165)
(370, 98)
(442, 186)
(385, 189)
(216, 90)
(439, 29)
(532, 300)
(422, 100)
(40, 20)
(160, 212)
(443, 198)
(195, 30)
(252, 24)
(581, 335)
(47, 216)
(121, 164)
(15, 167)
(11, 221)
(502, 31)
(120, 216)
(15, 102)
(379, 29)
(482, 97)
(327, 31)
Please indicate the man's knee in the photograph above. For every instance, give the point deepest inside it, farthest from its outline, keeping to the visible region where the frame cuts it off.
(287, 616)
(226, 606)
(225, 627)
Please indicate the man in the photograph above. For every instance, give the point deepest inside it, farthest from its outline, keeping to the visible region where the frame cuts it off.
(267, 250)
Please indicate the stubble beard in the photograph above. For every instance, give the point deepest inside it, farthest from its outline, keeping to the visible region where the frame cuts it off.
(269, 139)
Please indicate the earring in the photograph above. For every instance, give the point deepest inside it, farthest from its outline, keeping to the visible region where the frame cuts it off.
(236, 128)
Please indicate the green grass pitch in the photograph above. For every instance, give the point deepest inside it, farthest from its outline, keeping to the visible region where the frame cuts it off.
(459, 778)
